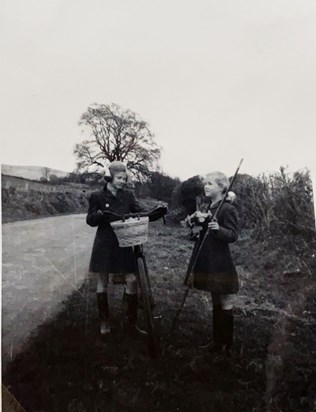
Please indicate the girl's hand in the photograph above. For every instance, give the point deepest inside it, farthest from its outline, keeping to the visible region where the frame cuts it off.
(163, 204)
(213, 225)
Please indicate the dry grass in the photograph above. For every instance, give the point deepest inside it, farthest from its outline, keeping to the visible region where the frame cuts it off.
(68, 368)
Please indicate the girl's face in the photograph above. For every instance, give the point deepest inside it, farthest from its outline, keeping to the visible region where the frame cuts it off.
(119, 180)
(211, 188)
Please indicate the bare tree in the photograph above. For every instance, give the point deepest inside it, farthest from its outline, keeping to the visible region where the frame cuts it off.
(117, 134)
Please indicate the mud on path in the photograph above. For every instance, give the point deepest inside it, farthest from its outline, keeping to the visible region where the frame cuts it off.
(67, 367)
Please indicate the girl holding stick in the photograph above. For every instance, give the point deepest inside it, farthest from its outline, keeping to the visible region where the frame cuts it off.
(214, 270)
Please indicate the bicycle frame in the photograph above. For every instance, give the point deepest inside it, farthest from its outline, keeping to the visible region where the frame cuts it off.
(143, 276)
(138, 252)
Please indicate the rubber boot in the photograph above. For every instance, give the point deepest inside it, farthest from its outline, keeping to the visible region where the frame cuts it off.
(103, 310)
(227, 330)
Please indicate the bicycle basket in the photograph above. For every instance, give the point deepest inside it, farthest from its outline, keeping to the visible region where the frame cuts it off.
(132, 231)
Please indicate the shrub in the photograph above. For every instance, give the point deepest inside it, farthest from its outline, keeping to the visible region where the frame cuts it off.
(184, 197)
(160, 186)
(276, 204)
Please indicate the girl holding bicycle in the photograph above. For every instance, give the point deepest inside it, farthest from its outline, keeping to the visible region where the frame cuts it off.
(214, 269)
(107, 257)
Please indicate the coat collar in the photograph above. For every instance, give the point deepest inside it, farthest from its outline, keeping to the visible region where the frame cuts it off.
(108, 193)
(215, 205)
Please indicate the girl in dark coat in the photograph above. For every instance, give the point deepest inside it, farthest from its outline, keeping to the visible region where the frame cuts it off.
(214, 270)
(107, 257)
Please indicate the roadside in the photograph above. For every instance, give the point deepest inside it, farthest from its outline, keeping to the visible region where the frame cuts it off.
(43, 261)
(67, 367)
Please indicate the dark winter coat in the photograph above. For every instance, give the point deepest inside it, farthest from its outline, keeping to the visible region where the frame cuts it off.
(107, 256)
(214, 270)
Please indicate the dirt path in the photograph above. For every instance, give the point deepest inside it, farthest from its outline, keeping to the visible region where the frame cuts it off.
(43, 261)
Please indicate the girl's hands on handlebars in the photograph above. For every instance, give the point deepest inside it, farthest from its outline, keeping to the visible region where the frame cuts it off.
(162, 204)
(151, 214)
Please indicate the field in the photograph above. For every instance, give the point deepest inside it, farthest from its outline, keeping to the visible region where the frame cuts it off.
(68, 367)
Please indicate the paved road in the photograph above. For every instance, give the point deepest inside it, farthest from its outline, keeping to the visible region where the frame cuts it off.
(43, 261)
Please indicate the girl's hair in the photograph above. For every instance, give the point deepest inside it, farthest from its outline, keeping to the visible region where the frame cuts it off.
(221, 179)
(108, 179)
(114, 168)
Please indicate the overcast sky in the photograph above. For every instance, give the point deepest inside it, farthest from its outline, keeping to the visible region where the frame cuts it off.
(216, 80)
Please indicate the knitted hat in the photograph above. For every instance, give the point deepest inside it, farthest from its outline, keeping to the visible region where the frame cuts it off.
(117, 167)
(114, 167)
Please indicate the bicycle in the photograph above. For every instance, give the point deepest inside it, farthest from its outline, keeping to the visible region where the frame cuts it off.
(134, 233)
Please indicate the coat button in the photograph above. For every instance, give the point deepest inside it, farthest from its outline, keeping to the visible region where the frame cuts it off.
(107, 205)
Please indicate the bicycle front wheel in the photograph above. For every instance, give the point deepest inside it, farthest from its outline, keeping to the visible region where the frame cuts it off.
(147, 311)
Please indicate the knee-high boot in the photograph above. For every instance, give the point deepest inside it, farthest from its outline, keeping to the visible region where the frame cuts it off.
(216, 345)
(217, 325)
(103, 310)
(227, 329)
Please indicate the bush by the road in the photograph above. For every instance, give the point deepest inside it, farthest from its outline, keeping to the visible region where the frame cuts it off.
(19, 205)
(276, 204)
(279, 204)
(159, 186)
(27, 199)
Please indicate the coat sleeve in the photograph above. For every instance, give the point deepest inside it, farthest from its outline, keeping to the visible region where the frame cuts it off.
(228, 230)
(134, 205)
(92, 218)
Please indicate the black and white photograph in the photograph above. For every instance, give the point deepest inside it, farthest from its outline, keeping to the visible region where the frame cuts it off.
(158, 238)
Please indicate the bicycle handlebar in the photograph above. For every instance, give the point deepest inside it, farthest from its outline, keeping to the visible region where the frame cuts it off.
(154, 214)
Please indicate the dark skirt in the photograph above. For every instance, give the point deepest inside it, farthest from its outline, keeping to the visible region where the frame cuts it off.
(215, 271)
(108, 257)
(222, 283)
(113, 260)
